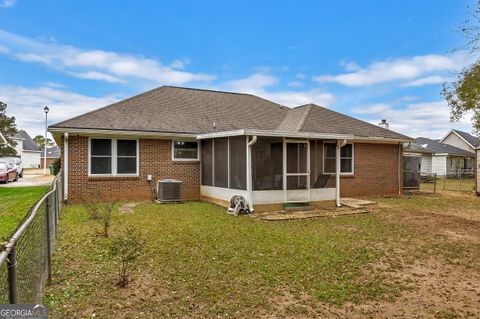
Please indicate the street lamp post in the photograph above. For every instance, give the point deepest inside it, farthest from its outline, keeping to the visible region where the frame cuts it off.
(45, 109)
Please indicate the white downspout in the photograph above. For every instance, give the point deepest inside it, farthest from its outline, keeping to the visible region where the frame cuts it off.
(340, 144)
(249, 170)
(65, 166)
(399, 164)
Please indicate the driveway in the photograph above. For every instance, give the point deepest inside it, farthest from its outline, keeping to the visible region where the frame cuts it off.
(31, 180)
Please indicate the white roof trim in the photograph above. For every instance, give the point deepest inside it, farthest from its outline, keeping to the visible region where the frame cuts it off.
(330, 136)
(275, 134)
(93, 132)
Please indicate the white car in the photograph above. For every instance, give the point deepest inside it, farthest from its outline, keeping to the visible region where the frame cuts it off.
(15, 161)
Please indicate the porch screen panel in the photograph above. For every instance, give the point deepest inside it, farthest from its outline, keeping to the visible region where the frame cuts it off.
(220, 158)
(267, 161)
(207, 163)
(238, 162)
(318, 179)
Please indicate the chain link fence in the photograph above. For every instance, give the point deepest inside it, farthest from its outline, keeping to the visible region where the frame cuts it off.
(414, 181)
(25, 260)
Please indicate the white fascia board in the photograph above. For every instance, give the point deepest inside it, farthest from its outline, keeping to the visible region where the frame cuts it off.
(274, 134)
(97, 132)
(329, 136)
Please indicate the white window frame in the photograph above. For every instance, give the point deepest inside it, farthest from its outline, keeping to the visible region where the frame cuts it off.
(341, 173)
(113, 156)
(185, 159)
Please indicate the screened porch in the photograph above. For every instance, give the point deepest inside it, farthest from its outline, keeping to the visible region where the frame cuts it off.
(272, 170)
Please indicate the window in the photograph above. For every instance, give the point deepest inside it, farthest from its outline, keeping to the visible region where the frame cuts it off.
(126, 156)
(100, 156)
(346, 159)
(185, 150)
(113, 157)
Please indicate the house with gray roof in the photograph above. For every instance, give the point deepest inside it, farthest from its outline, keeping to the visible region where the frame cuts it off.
(27, 149)
(460, 139)
(441, 158)
(221, 144)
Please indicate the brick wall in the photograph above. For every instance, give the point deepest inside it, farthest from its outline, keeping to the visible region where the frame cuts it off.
(376, 171)
(155, 159)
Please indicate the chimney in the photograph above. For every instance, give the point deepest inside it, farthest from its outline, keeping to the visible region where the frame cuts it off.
(384, 124)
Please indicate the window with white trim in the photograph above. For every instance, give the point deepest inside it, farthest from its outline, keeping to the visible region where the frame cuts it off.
(346, 158)
(185, 151)
(113, 157)
(100, 157)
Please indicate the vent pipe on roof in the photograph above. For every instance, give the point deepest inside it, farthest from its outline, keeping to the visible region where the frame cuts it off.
(384, 124)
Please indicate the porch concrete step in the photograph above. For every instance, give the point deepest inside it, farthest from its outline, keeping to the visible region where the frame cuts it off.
(298, 208)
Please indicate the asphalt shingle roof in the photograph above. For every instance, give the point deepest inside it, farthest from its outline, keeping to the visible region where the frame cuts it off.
(472, 140)
(184, 110)
(440, 148)
(53, 152)
(28, 143)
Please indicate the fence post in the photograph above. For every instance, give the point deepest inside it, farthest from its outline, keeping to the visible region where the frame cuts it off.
(12, 276)
(49, 243)
(435, 183)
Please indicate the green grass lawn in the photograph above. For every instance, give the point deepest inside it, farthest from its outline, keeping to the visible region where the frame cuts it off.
(449, 184)
(15, 203)
(200, 262)
(198, 259)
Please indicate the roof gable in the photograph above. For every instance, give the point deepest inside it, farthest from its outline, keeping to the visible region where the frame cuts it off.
(28, 143)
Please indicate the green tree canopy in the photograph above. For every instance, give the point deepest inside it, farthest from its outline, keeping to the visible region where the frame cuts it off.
(463, 95)
(8, 129)
(40, 140)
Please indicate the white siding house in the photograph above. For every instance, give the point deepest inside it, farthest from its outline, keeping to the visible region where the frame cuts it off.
(28, 151)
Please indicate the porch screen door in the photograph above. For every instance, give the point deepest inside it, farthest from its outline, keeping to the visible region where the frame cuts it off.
(297, 171)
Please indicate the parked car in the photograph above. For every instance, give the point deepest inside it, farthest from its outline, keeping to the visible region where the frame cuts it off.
(19, 165)
(8, 172)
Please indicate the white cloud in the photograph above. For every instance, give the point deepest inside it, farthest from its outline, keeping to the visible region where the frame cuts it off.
(97, 64)
(7, 3)
(434, 79)
(372, 109)
(27, 103)
(258, 83)
(295, 84)
(427, 119)
(400, 69)
(255, 82)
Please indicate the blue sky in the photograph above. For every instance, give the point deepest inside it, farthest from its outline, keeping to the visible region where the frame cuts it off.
(369, 59)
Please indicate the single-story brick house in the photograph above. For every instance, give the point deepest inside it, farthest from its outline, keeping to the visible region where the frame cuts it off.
(221, 144)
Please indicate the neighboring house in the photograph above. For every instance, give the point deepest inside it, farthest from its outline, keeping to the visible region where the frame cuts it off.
(52, 154)
(442, 159)
(461, 140)
(27, 149)
(221, 144)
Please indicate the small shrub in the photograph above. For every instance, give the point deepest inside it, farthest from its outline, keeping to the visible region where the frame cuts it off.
(102, 213)
(105, 217)
(57, 166)
(126, 248)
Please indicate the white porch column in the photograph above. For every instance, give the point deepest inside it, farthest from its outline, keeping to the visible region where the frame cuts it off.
(340, 144)
(249, 170)
(65, 166)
